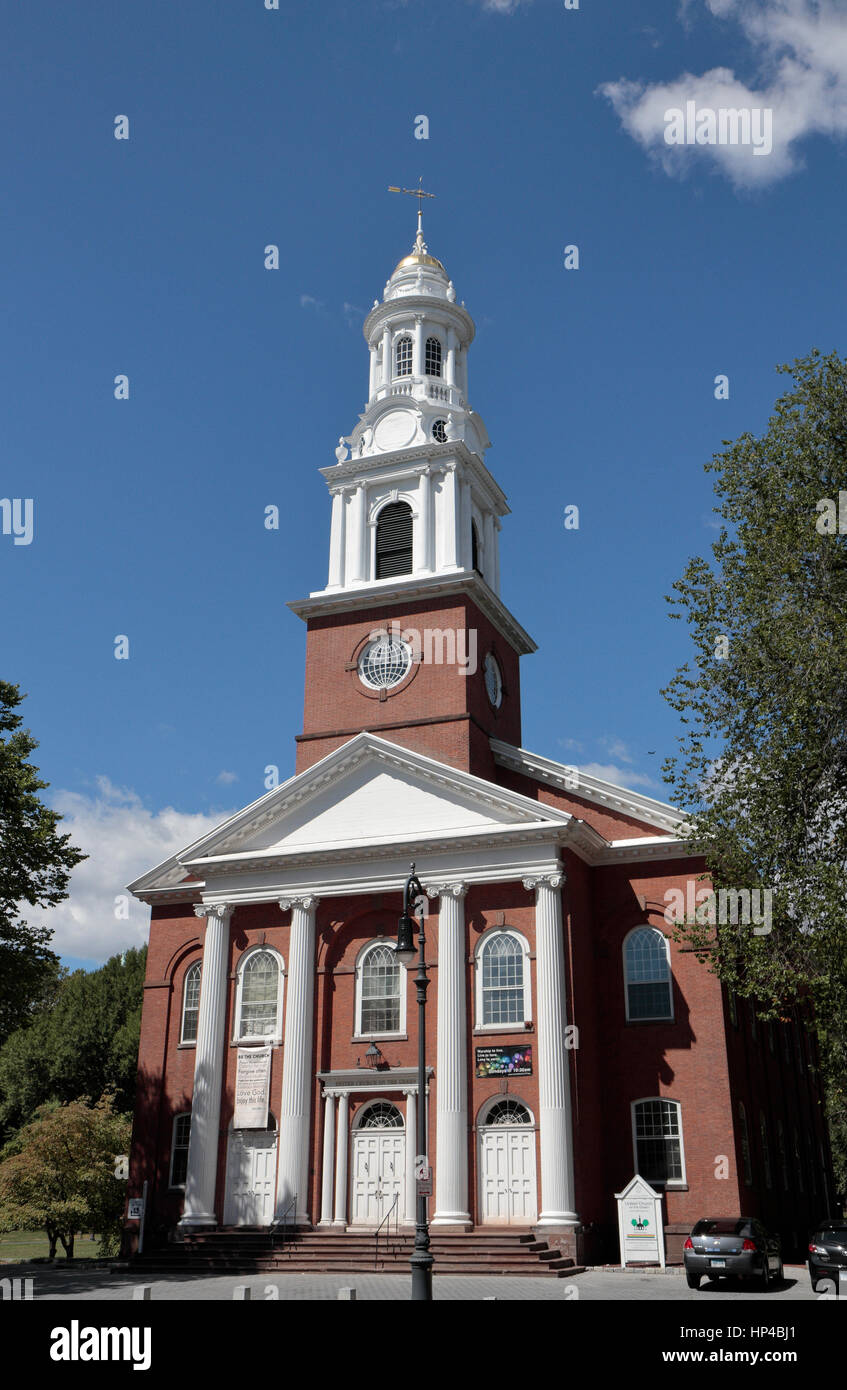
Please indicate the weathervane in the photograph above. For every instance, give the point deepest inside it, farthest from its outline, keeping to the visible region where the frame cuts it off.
(415, 193)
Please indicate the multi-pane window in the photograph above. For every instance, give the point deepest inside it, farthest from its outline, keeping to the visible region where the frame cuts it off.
(259, 996)
(191, 1003)
(745, 1144)
(382, 1115)
(432, 357)
(403, 357)
(503, 980)
(658, 1141)
(179, 1150)
(380, 991)
(508, 1112)
(648, 975)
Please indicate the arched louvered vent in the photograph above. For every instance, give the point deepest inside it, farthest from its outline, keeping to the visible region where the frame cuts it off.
(394, 540)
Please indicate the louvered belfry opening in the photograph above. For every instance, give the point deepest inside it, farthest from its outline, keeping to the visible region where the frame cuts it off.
(394, 540)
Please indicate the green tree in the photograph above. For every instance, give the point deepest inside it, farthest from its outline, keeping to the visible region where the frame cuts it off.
(35, 866)
(762, 765)
(59, 1174)
(84, 1043)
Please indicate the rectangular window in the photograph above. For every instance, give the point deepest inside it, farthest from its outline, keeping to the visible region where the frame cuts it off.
(179, 1150)
(658, 1141)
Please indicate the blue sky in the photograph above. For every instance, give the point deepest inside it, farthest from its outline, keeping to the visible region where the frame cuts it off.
(251, 126)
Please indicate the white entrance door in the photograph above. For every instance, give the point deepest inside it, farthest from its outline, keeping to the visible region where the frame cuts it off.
(379, 1158)
(250, 1177)
(507, 1166)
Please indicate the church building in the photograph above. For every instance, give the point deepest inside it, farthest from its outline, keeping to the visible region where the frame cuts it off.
(571, 1042)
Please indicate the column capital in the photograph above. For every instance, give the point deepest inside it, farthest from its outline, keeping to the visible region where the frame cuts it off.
(551, 880)
(306, 902)
(440, 889)
(223, 911)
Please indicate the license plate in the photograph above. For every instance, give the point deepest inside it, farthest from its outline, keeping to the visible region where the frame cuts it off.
(718, 1264)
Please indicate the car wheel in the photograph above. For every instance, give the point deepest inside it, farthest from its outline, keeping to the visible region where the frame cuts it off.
(780, 1273)
(765, 1281)
(693, 1280)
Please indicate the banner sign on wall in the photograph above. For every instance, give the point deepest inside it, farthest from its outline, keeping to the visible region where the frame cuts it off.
(252, 1082)
(503, 1061)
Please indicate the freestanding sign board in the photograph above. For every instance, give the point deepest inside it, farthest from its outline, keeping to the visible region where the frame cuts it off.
(252, 1078)
(640, 1224)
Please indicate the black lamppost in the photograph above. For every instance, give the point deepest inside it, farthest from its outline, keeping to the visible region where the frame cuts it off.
(421, 1260)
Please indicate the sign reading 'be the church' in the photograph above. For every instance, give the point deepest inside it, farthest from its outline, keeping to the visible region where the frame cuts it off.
(252, 1081)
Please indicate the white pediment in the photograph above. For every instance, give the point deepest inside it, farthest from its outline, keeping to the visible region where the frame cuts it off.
(367, 793)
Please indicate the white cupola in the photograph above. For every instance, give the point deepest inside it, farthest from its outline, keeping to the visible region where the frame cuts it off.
(411, 495)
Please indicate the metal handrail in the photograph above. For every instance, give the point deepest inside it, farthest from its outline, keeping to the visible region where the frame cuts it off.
(387, 1217)
(276, 1223)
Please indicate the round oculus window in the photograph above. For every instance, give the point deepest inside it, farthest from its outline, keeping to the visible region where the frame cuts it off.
(384, 663)
(439, 431)
(493, 681)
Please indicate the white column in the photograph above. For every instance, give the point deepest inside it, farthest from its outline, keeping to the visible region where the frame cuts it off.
(554, 1094)
(296, 1106)
(424, 563)
(386, 357)
(372, 376)
(451, 1133)
(356, 536)
(411, 1147)
(488, 549)
(465, 548)
(450, 519)
(336, 540)
(342, 1140)
(327, 1173)
(450, 366)
(199, 1206)
(418, 347)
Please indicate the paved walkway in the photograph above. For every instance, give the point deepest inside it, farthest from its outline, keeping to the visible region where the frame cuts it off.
(76, 1285)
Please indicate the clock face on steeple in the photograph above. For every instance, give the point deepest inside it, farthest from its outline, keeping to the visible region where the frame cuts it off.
(493, 680)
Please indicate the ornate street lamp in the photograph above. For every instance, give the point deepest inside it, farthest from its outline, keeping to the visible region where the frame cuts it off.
(421, 1260)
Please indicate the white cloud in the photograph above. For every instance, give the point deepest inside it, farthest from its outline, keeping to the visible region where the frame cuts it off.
(616, 748)
(226, 778)
(308, 301)
(122, 839)
(502, 6)
(799, 53)
(621, 777)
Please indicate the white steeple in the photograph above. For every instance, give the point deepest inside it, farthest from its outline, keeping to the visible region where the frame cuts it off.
(417, 442)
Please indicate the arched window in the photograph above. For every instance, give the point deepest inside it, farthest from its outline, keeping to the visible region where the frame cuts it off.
(657, 1127)
(381, 1115)
(380, 991)
(190, 1003)
(502, 972)
(179, 1149)
(258, 1008)
(432, 365)
(394, 540)
(507, 1112)
(403, 357)
(744, 1135)
(647, 974)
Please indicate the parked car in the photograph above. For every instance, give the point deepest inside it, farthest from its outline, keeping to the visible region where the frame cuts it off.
(739, 1247)
(828, 1251)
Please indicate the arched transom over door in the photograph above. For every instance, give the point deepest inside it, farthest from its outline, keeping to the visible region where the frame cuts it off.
(379, 1162)
(507, 1183)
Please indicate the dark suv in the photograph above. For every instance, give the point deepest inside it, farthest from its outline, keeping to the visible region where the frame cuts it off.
(828, 1251)
(732, 1247)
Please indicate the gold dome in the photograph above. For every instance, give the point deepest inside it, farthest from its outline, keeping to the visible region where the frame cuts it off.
(418, 258)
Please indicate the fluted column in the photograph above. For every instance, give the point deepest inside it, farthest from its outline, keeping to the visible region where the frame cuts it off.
(295, 1109)
(201, 1177)
(356, 530)
(337, 539)
(418, 347)
(411, 1145)
(372, 377)
(328, 1158)
(386, 358)
(554, 1094)
(341, 1142)
(451, 1133)
(424, 563)
(449, 521)
(450, 365)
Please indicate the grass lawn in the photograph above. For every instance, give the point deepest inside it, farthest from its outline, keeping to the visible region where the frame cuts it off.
(33, 1245)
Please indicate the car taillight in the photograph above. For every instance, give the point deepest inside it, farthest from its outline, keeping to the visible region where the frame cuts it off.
(689, 1244)
(818, 1250)
(749, 1245)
